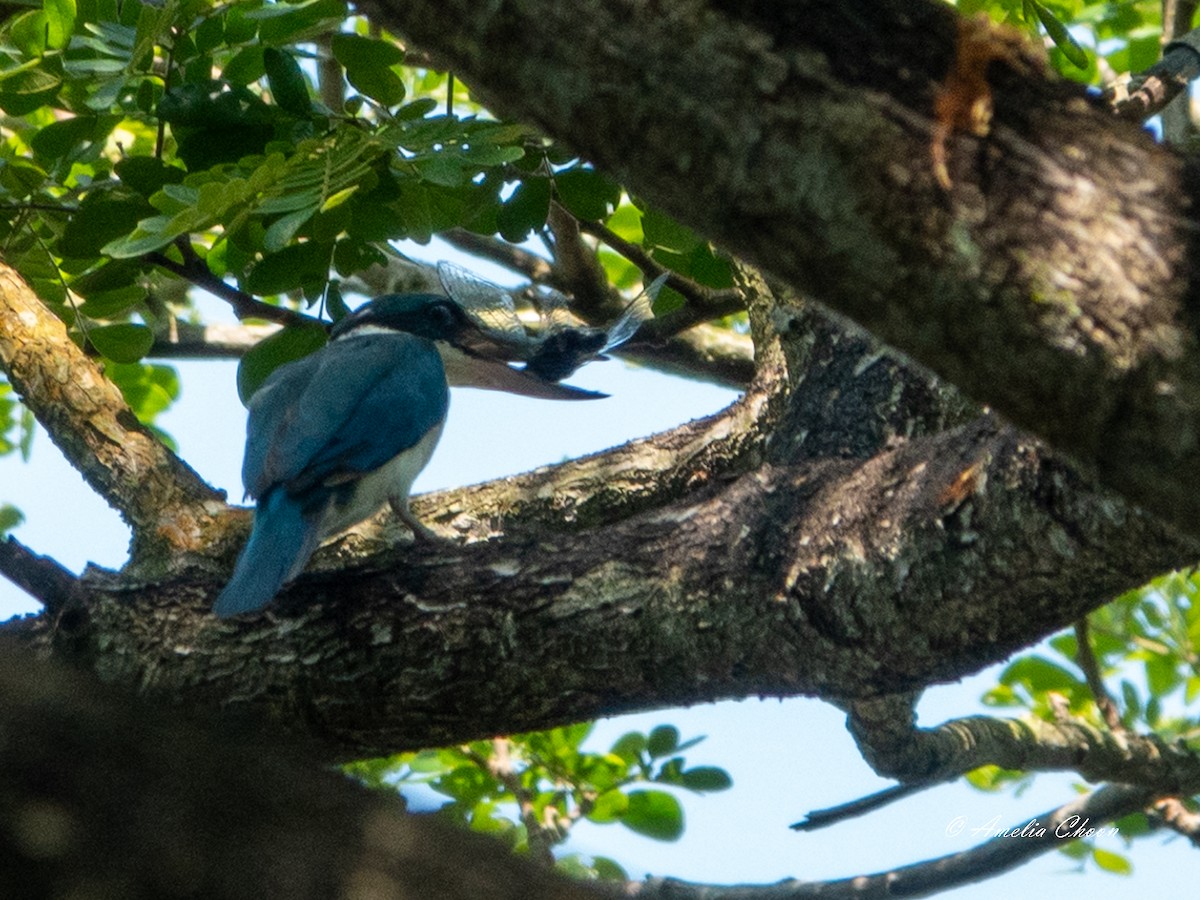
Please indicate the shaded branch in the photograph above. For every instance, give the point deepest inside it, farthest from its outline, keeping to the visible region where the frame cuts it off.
(1086, 659)
(701, 304)
(221, 813)
(186, 340)
(43, 578)
(205, 791)
(245, 306)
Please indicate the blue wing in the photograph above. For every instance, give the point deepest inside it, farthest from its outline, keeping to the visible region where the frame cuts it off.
(342, 411)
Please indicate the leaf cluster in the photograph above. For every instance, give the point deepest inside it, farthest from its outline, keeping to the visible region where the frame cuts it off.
(530, 789)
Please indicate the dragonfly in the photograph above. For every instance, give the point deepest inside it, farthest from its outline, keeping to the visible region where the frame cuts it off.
(558, 346)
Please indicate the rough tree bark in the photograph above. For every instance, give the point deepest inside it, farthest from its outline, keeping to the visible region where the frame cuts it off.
(850, 529)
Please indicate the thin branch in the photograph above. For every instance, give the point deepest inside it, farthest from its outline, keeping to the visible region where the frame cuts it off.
(1016, 846)
(244, 305)
(1086, 659)
(43, 578)
(501, 767)
(832, 815)
(703, 304)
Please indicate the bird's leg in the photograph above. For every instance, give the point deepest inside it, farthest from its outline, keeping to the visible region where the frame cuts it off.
(421, 531)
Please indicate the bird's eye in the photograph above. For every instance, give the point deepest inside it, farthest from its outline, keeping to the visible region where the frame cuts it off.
(441, 316)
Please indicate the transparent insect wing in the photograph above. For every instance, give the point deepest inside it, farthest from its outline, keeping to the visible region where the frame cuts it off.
(554, 309)
(639, 311)
(488, 305)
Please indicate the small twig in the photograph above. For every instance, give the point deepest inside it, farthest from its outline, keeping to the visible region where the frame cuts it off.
(1086, 660)
(244, 305)
(702, 304)
(823, 818)
(43, 578)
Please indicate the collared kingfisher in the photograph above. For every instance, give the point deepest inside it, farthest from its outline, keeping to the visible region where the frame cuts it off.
(334, 436)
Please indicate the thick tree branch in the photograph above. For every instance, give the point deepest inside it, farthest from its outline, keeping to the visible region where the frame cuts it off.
(781, 582)
(1052, 282)
(164, 501)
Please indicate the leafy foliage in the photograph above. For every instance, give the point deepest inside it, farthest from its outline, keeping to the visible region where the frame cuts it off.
(531, 789)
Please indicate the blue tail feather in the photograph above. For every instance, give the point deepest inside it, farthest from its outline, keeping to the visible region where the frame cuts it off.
(281, 542)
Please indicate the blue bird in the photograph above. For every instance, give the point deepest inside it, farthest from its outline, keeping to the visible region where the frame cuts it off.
(334, 436)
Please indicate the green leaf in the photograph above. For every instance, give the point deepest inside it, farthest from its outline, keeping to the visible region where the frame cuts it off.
(103, 216)
(609, 807)
(1112, 862)
(351, 256)
(660, 230)
(608, 869)
(248, 65)
(1162, 676)
(24, 90)
(381, 85)
(287, 82)
(124, 342)
(655, 814)
(355, 51)
(705, 779)
(60, 22)
(662, 741)
(283, 229)
(148, 389)
(525, 211)
(629, 746)
(147, 174)
(291, 343)
(1039, 674)
(21, 178)
(1060, 35)
(587, 193)
(210, 34)
(110, 304)
(289, 269)
(28, 33)
(10, 518)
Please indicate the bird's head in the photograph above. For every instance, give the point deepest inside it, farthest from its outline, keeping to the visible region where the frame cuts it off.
(472, 356)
